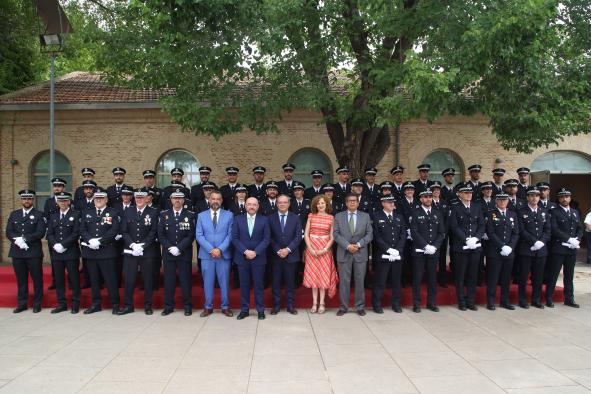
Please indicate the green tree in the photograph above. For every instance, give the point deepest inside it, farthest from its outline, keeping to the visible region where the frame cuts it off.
(366, 66)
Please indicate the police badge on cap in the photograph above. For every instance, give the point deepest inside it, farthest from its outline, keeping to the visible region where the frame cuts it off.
(502, 196)
(533, 190)
(563, 192)
(148, 173)
(465, 187)
(58, 182)
(498, 171)
(177, 193)
(424, 167)
(298, 185)
(486, 185)
(27, 193)
(397, 169)
(426, 193)
(327, 187)
(100, 193)
(523, 170)
(475, 167)
(126, 190)
(386, 185)
(119, 171)
(357, 182)
(259, 169)
(543, 185)
(272, 184)
(87, 171)
(140, 192)
(63, 196)
(511, 182)
(232, 170)
(177, 171)
(342, 169)
(371, 171)
(448, 171)
(288, 167)
(204, 170)
(408, 185)
(317, 174)
(89, 183)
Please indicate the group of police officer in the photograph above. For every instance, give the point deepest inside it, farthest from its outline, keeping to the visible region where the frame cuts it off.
(493, 229)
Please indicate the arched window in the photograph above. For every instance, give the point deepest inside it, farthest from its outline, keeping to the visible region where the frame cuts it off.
(440, 160)
(181, 159)
(308, 159)
(562, 162)
(41, 182)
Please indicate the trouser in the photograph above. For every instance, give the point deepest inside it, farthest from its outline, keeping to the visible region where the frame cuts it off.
(131, 264)
(119, 263)
(284, 272)
(465, 272)
(421, 264)
(235, 276)
(442, 261)
(482, 269)
(156, 266)
(256, 273)
(106, 268)
(406, 275)
(60, 267)
(184, 268)
(381, 269)
(557, 262)
(22, 269)
(210, 270)
(588, 239)
(535, 265)
(498, 273)
(358, 270)
(85, 272)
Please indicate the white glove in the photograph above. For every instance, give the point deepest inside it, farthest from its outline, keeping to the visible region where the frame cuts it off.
(174, 251)
(484, 237)
(393, 252)
(574, 241)
(471, 242)
(137, 252)
(538, 245)
(408, 234)
(506, 250)
(391, 258)
(118, 237)
(19, 240)
(23, 245)
(94, 243)
(430, 249)
(574, 246)
(59, 248)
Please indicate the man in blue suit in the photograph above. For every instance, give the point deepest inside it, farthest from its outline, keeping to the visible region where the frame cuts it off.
(213, 233)
(251, 237)
(286, 236)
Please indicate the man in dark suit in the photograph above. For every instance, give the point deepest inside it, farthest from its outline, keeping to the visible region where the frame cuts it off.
(150, 185)
(58, 185)
(197, 193)
(370, 188)
(316, 187)
(566, 238)
(114, 191)
(257, 189)
(502, 230)
(207, 188)
(25, 228)
(139, 227)
(301, 207)
(342, 187)
(268, 205)
(487, 203)
(523, 175)
(545, 202)
(397, 173)
(448, 191)
(176, 232)
(286, 185)
(497, 183)
(251, 237)
(229, 190)
(122, 207)
(63, 230)
(423, 183)
(86, 202)
(98, 228)
(515, 203)
(474, 181)
(286, 236)
(87, 175)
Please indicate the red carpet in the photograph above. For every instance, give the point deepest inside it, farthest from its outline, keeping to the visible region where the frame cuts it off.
(445, 296)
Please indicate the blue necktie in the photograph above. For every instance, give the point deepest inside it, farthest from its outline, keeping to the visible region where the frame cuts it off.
(282, 222)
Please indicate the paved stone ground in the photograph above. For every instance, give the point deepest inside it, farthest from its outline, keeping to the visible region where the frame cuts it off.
(522, 351)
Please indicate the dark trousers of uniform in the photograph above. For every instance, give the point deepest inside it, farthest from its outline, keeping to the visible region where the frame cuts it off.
(422, 264)
(498, 273)
(106, 268)
(60, 267)
(171, 267)
(559, 261)
(85, 272)
(482, 269)
(284, 272)
(406, 275)
(443, 261)
(256, 273)
(465, 272)
(22, 269)
(535, 265)
(131, 265)
(381, 269)
(119, 263)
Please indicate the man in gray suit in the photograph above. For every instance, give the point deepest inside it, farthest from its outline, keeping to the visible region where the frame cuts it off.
(352, 234)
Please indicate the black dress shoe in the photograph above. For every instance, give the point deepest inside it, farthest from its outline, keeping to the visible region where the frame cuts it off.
(416, 309)
(75, 309)
(274, 311)
(60, 308)
(242, 315)
(378, 309)
(261, 315)
(19, 309)
(188, 311)
(572, 304)
(537, 305)
(341, 312)
(462, 307)
(523, 305)
(397, 309)
(433, 308)
(508, 306)
(126, 310)
(36, 308)
(472, 307)
(148, 311)
(361, 312)
(549, 304)
(167, 311)
(92, 309)
(292, 311)
(491, 307)
(115, 310)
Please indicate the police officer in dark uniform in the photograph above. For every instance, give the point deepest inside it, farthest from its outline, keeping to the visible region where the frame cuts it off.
(63, 230)
(269, 203)
(523, 175)
(238, 204)
(423, 183)
(427, 231)
(389, 237)
(176, 233)
(114, 191)
(228, 190)
(515, 203)
(497, 183)
(25, 228)
(442, 206)
(150, 185)
(51, 207)
(98, 228)
(122, 207)
(448, 191)
(286, 185)
(157, 265)
(314, 190)
(87, 175)
(87, 201)
(203, 205)
(168, 190)
(197, 190)
(502, 230)
(566, 237)
(257, 189)
(342, 187)
(405, 207)
(467, 225)
(545, 202)
(534, 233)
(397, 173)
(299, 204)
(474, 181)
(488, 203)
(328, 191)
(386, 188)
(365, 201)
(139, 227)
(370, 188)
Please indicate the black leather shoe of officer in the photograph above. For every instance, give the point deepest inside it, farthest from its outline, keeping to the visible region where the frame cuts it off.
(416, 309)
(378, 309)
(19, 309)
(523, 305)
(242, 315)
(167, 311)
(126, 310)
(491, 307)
(508, 306)
(274, 311)
(433, 308)
(188, 311)
(148, 311)
(92, 309)
(550, 304)
(261, 315)
(36, 308)
(60, 308)
(397, 308)
(462, 307)
(361, 312)
(572, 304)
(341, 312)
(115, 310)
(472, 307)
(75, 309)
(537, 305)
(292, 311)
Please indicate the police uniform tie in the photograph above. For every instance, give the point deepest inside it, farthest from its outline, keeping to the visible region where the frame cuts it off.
(215, 219)
(299, 204)
(139, 215)
(390, 217)
(99, 212)
(176, 215)
(63, 216)
(272, 205)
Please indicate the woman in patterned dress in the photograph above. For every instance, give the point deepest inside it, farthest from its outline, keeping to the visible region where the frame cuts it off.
(319, 273)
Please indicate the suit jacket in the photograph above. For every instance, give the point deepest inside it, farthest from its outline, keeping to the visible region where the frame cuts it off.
(532, 228)
(388, 234)
(266, 208)
(501, 230)
(447, 194)
(104, 227)
(310, 193)
(259, 241)
(290, 237)
(82, 205)
(302, 210)
(563, 228)
(219, 237)
(143, 229)
(31, 227)
(167, 191)
(517, 205)
(339, 193)
(114, 195)
(420, 186)
(66, 232)
(260, 194)
(196, 194)
(50, 207)
(426, 229)
(236, 209)
(363, 235)
(465, 223)
(284, 188)
(227, 195)
(177, 232)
